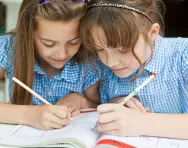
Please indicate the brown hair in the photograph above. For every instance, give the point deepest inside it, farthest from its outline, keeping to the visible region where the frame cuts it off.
(58, 10)
(121, 26)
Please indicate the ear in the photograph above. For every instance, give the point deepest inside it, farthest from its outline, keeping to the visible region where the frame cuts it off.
(154, 32)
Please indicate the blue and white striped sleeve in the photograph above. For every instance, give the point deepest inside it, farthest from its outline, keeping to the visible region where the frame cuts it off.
(6, 54)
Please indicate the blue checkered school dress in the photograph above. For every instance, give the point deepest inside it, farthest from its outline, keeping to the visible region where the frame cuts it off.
(73, 78)
(168, 92)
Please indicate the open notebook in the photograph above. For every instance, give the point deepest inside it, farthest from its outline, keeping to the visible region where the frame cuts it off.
(79, 134)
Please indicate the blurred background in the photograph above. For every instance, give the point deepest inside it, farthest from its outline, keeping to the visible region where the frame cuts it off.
(176, 24)
(8, 17)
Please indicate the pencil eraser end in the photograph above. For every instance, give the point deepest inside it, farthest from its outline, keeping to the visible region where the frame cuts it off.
(155, 74)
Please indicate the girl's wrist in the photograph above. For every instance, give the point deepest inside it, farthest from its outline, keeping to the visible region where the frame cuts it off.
(27, 114)
(149, 122)
(143, 124)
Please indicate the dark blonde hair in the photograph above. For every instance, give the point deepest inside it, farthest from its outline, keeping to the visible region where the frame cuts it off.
(121, 26)
(30, 11)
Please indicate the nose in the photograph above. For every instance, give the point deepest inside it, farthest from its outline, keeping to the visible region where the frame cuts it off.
(112, 60)
(62, 52)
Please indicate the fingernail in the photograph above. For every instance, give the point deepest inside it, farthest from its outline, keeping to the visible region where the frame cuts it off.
(144, 110)
(65, 114)
(70, 120)
(69, 114)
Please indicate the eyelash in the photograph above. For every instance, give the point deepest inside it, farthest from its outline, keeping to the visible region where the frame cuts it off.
(74, 43)
(49, 46)
(99, 50)
(124, 52)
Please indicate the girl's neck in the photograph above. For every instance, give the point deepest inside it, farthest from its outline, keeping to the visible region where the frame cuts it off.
(51, 71)
(48, 69)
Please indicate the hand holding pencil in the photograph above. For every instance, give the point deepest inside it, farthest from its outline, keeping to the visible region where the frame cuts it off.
(134, 92)
(46, 116)
(133, 103)
(114, 115)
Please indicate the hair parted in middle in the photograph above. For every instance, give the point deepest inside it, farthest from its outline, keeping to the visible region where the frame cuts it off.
(31, 11)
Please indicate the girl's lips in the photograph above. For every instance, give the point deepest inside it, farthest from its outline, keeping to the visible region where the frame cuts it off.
(63, 60)
(119, 70)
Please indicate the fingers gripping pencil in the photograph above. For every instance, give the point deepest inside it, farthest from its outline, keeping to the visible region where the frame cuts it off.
(34, 93)
(134, 92)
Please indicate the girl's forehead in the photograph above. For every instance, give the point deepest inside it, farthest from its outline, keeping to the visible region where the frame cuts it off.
(99, 38)
(58, 30)
(98, 35)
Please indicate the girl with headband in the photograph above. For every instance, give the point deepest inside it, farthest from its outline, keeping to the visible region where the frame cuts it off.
(125, 38)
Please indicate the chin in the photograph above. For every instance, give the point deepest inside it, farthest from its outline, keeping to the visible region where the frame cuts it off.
(57, 66)
(123, 75)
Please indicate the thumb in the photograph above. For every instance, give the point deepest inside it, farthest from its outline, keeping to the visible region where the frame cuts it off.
(65, 109)
(70, 109)
(75, 113)
(104, 108)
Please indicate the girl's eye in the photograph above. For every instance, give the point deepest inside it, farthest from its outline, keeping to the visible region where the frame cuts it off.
(99, 50)
(49, 45)
(123, 51)
(75, 42)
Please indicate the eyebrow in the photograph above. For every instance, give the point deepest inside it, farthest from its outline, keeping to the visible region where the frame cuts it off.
(75, 38)
(56, 41)
(103, 46)
(99, 46)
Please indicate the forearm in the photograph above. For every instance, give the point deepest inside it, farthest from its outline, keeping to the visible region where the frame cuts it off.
(86, 103)
(165, 125)
(13, 114)
(92, 97)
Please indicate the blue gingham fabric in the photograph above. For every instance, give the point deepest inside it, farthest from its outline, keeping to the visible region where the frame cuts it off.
(168, 91)
(69, 80)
